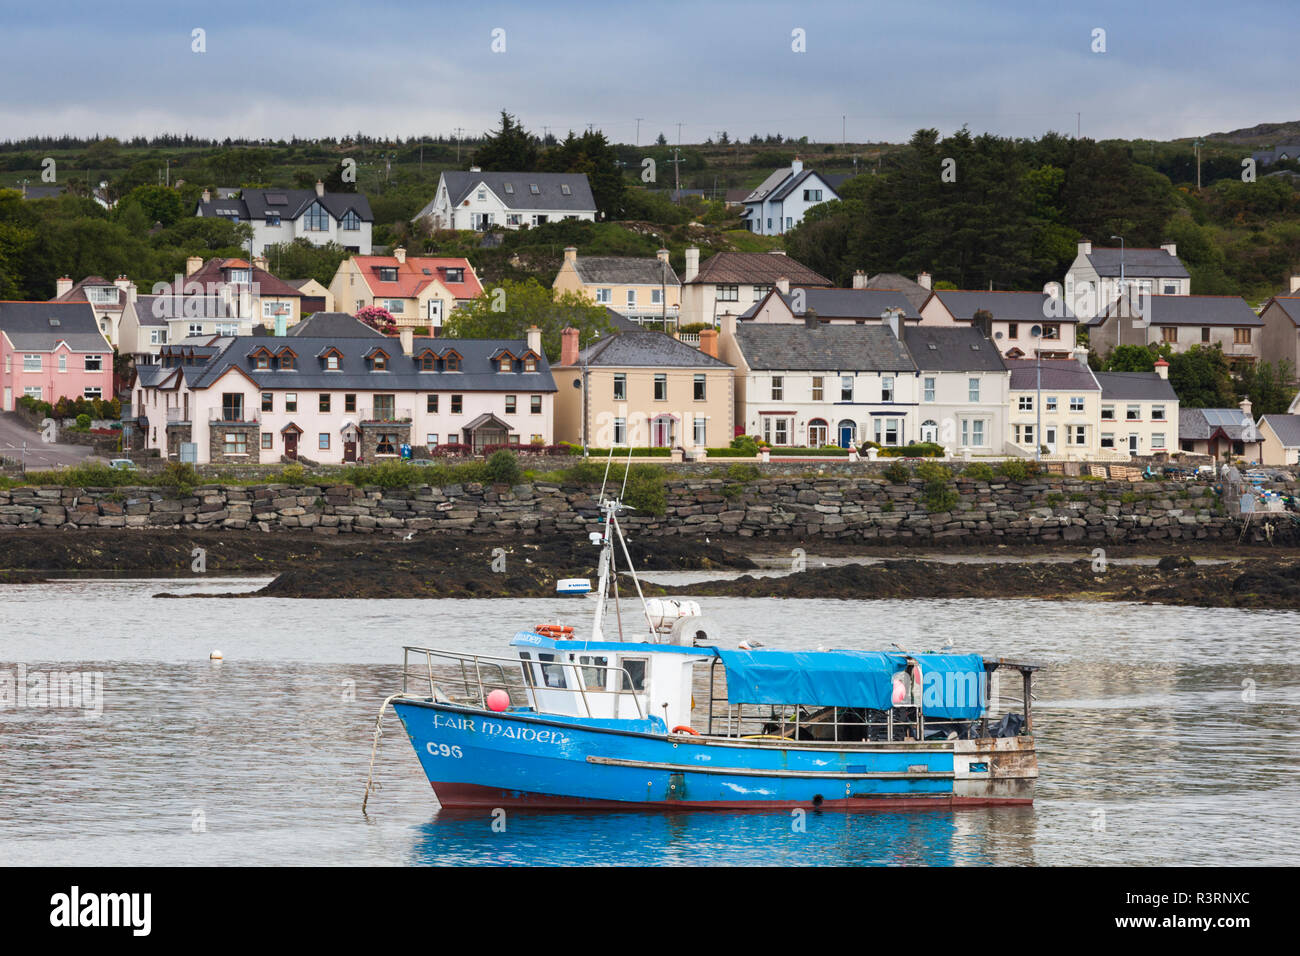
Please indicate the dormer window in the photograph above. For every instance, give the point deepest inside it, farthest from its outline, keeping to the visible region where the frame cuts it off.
(380, 361)
(287, 359)
(262, 361)
(388, 273)
(452, 362)
(530, 364)
(428, 362)
(455, 275)
(506, 364)
(333, 359)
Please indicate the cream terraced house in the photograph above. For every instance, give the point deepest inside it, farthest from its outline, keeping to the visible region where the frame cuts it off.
(1014, 316)
(1180, 321)
(729, 283)
(963, 389)
(643, 389)
(643, 290)
(1067, 407)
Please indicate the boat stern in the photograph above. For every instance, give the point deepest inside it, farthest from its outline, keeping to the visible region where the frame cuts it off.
(994, 770)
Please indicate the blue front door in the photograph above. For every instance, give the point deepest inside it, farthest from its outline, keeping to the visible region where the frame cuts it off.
(846, 434)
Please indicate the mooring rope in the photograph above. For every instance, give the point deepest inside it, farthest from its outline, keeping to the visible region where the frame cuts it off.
(371, 784)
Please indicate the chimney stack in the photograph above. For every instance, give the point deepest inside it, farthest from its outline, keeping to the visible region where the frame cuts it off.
(1170, 247)
(62, 286)
(535, 339)
(727, 330)
(662, 255)
(1081, 355)
(281, 324)
(570, 253)
(810, 320)
(859, 279)
(320, 188)
(797, 166)
(1244, 405)
(1162, 369)
(193, 264)
(1085, 247)
(923, 280)
(1295, 284)
(783, 285)
(259, 262)
(891, 318)
(399, 254)
(709, 342)
(207, 195)
(569, 347)
(406, 335)
(692, 264)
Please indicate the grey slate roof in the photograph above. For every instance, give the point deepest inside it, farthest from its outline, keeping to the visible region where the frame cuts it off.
(646, 350)
(145, 312)
(626, 270)
(479, 373)
(1201, 423)
(1135, 387)
(1189, 310)
(915, 292)
(853, 303)
(951, 349)
(40, 326)
(796, 182)
(1137, 262)
(757, 268)
(1286, 427)
(1005, 306)
(826, 348)
(1290, 306)
(334, 325)
(1059, 374)
(289, 203)
(550, 195)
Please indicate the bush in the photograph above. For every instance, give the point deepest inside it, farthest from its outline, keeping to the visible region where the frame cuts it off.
(897, 472)
(979, 471)
(743, 472)
(83, 422)
(180, 477)
(925, 449)
(1018, 469)
(933, 471)
(731, 453)
(503, 468)
(293, 474)
(746, 444)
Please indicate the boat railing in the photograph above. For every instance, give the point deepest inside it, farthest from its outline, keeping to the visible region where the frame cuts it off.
(472, 677)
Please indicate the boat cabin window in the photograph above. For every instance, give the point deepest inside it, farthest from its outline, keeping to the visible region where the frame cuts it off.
(634, 673)
(552, 674)
(593, 672)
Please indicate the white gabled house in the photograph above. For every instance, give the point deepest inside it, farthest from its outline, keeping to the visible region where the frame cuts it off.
(780, 201)
(283, 215)
(480, 200)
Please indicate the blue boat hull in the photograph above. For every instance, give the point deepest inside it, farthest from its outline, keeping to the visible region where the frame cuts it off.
(476, 758)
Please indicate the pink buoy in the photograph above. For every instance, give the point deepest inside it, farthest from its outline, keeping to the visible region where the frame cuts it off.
(900, 692)
(498, 701)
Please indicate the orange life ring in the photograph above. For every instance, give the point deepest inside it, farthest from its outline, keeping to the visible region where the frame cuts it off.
(554, 630)
(683, 729)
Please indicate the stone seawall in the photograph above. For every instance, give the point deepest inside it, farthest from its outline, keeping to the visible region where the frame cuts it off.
(870, 510)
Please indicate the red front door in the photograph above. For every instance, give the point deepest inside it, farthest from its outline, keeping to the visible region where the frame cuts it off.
(291, 444)
(349, 451)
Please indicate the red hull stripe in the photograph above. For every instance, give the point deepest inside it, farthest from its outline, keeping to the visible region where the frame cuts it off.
(466, 796)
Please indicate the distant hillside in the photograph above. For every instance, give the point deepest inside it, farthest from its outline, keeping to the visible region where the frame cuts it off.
(1265, 134)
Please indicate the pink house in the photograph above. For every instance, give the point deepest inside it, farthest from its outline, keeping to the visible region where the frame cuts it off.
(52, 350)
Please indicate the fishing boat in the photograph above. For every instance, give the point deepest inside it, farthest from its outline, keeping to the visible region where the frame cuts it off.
(649, 710)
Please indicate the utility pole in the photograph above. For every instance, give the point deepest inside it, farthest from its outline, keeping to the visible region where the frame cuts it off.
(638, 129)
(677, 175)
(679, 133)
(1078, 125)
(844, 131)
(1198, 144)
(458, 132)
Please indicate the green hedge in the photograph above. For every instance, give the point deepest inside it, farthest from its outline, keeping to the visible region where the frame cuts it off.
(622, 452)
(731, 453)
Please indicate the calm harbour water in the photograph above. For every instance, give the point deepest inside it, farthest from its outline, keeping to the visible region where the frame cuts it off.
(1148, 752)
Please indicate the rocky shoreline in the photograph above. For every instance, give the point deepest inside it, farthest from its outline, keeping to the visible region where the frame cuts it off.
(460, 567)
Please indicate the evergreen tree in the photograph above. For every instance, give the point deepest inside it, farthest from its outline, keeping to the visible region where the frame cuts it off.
(509, 149)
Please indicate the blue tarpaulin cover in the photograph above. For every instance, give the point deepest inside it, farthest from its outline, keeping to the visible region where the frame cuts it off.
(952, 685)
(826, 678)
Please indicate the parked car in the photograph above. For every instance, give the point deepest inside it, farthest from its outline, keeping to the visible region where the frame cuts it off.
(122, 464)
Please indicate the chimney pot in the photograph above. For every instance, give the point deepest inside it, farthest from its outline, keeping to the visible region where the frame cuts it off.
(709, 342)
(569, 347)
(1162, 369)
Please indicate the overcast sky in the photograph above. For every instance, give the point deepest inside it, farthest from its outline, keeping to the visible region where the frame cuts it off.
(1170, 69)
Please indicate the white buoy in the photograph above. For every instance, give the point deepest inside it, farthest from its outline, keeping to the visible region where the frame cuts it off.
(215, 656)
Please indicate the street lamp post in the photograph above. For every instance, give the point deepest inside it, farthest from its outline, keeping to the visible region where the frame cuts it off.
(1036, 333)
(1119, 329)
(594, 336)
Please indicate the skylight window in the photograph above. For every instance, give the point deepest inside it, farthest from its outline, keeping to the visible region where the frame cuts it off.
(510, 189)
(532, 188)
(565, 189)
